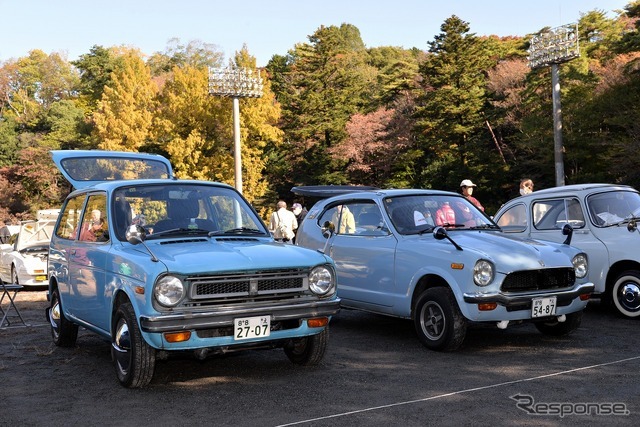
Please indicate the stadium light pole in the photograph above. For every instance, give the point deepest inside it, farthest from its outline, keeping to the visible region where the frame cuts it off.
(235, 83)
(551, 48)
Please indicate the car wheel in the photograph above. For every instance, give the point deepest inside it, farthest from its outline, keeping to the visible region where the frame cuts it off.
(14, 275)
(438, 321)
(63, 332)
(134, 359)
(625, 293)
(308, 351)
(557, 329)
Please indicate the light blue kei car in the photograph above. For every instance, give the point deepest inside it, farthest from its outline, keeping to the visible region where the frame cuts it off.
(433, 257)
(157, 265)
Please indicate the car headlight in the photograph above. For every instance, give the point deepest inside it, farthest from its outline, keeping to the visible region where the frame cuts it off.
(580, 265)
(483, 273)
(168, 291)
(322, 280)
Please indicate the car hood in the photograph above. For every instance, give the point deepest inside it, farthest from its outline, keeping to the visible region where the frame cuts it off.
(513, 253)
(189, 256)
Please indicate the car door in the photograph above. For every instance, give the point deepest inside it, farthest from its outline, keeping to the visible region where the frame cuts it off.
(87, 262)
(364, 255)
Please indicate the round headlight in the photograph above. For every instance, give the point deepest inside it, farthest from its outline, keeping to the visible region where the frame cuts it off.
(321, 280)
(169, 291)
(580, 265)
(483, 273)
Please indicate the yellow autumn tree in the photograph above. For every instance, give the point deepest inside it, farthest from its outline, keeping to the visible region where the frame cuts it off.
(125, 112)
(189, 129)
(196, 129)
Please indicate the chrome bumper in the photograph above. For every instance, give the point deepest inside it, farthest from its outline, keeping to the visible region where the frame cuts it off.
(224, 316)
(512, 299)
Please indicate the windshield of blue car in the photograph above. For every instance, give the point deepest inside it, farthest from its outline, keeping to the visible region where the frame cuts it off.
(416, 214)
(176, 209)
(613, 207)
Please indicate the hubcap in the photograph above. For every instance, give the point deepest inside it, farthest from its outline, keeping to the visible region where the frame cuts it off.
(122, 346)
(54, 317)
(629, 296)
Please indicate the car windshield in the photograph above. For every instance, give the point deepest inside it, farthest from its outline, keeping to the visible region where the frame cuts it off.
(175, 209)
(415, 214)
(613, 207)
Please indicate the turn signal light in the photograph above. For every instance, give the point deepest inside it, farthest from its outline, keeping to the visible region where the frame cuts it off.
(487, 306)
(177, 336)
(585, 297)
(318, 322)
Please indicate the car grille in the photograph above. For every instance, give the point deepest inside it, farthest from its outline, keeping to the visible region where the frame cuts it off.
(538, 280)
(248, 286)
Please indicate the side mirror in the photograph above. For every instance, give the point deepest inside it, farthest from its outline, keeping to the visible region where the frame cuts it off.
(632, 225)
(567, 230)
(328, 229)
(135, 234)
(439, 233)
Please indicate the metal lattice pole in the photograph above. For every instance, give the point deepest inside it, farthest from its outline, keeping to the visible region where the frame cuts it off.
(552, 48)
(235, 83)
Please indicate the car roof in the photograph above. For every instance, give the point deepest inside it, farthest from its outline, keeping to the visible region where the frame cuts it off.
(393, 192)
(86, 168)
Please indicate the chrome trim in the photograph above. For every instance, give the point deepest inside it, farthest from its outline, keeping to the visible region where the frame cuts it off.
(518, 299)
(225, 315)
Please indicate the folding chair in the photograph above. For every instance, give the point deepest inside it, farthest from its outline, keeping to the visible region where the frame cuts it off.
(9, 290)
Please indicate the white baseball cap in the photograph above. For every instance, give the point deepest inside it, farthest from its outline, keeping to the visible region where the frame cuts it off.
(467, 183)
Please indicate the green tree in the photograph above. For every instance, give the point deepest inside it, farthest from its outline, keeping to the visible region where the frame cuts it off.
(450, 114)
(326, 81)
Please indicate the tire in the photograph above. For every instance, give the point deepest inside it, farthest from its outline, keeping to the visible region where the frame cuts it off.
(625, 293)
(133, 358)
(558, 329)
(438, 321)
(63, 332)
(308, 351)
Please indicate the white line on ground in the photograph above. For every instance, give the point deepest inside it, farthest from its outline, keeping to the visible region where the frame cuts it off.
(453, 393)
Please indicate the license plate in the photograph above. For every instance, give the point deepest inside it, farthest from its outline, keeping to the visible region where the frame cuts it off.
(252, 327)
(41, 278)
(542, 307)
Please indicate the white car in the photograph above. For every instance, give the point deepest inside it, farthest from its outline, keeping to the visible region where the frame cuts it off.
(604, 218)
(23, 259)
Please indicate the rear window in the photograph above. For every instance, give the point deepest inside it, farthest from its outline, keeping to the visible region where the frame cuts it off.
(111, 169)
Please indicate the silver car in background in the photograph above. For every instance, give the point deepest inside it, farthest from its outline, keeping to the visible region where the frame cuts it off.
(604, 218)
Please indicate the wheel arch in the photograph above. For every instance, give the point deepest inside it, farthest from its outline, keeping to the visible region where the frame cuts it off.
(426, 282)
(616, 269)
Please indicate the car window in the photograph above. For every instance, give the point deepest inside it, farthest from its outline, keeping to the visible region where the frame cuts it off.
(94, 225)
(514, 219)
(555, 213)
(341, 216)
(612, 207)
(70, 218)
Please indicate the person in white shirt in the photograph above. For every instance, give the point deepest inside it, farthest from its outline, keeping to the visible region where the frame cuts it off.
(283, 223)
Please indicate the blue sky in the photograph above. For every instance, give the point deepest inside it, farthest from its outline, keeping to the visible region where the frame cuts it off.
(267, 27)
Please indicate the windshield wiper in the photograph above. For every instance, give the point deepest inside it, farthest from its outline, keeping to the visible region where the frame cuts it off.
(178, 231)
(485, 227)
(236, 231)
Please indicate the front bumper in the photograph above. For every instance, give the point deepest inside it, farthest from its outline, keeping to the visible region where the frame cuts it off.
(519, 299)
(224, 316)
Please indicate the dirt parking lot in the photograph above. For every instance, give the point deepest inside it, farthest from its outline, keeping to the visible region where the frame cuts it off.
(375, 373)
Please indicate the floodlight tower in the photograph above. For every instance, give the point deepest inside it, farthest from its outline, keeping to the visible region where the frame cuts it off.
(551, 48)
(235, 83)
